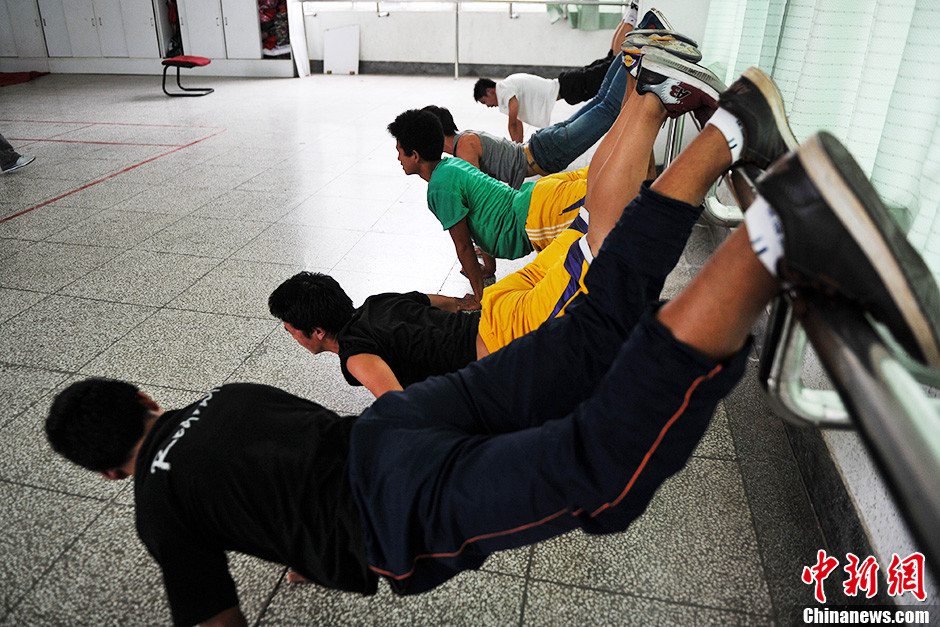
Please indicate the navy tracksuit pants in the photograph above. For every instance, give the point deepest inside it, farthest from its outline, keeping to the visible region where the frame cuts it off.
(576, 424)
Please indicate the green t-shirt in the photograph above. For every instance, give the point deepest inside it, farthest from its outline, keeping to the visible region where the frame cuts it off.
(495, 212)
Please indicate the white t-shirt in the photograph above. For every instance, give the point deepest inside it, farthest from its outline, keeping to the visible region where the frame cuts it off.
(536, 96)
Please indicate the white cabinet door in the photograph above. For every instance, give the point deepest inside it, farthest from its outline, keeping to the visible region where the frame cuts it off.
(27, 28)
(201, 27)
(82, 26)
(111, 28)
(164, 29)
(53, 24)
(140, 29)
(7, 46)
(242, 29)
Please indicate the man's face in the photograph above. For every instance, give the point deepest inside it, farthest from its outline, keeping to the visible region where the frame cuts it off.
(409, 163)
(489, 98)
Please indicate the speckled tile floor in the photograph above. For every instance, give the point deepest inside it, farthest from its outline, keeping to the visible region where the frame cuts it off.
(160, 273)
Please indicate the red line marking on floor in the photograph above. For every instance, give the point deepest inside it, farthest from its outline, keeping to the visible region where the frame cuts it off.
(72, 130)
(110, 123)
(85, 141)
(109, 176)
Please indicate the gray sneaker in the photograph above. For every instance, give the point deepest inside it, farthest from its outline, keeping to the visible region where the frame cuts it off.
(681, 86)
(22, 162)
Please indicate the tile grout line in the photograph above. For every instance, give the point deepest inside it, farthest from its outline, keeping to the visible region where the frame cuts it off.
(13, 606)
(66, 227)
(156, 310)
(525, 584)
(33, 486)
(751, 514)
(107, 177)
(270, 598)
(621, 593)
(79, 373)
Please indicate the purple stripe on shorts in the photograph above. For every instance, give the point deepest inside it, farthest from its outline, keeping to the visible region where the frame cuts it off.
(574, 261)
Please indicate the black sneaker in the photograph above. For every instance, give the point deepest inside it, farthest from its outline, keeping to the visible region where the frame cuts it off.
(682, 87)
(757, 104)
(654, 20)
(839, 239)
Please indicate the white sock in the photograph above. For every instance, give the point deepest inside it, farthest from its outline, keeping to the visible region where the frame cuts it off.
(731, 129)
(632, 14)
(766, 233)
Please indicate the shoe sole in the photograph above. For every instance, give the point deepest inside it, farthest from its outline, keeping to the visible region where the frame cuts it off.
(685, 55)
(671, 66)
(650, 32)
(683, 50)
(664, 23)
(774, 99)
(836, 188)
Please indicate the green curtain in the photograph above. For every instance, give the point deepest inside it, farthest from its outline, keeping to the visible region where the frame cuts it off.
(586, 17)
(862, 69)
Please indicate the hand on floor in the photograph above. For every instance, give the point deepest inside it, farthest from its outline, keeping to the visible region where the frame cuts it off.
(295, 577)
(468, 302)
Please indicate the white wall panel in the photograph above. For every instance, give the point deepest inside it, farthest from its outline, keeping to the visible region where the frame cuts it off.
(485, 37)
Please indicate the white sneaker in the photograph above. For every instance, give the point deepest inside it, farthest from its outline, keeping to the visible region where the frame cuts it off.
(22, 162)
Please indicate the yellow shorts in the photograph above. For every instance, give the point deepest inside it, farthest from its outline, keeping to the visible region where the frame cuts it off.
(540, 291)
(556, 200)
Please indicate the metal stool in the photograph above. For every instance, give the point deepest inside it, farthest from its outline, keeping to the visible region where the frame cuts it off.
(187, 62)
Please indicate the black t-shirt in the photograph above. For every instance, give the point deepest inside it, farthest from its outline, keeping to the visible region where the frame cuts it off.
(415, 339)
(254, 469)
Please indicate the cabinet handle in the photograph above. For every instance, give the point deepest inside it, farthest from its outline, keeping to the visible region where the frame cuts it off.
(44, 22)
(217, 22)
(225, 20)
(37, 23)
(99, 21)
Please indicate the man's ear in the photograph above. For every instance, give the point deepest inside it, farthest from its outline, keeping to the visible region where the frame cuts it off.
(412, 156)
(318, 333)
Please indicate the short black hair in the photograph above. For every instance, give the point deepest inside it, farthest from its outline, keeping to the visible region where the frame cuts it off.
(95, 423)
(419, 131)
(480, 87)
(310, 300)
(446, 119)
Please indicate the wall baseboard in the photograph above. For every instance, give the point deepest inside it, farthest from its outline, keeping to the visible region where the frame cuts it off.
(446, 69)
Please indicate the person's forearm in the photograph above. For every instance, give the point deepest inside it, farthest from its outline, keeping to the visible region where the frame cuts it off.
(515, 131)
(379, 388)
(472, 270)
(445, 303)
(489, 264)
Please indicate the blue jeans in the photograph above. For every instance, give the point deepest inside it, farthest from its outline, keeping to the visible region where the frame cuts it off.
(576, 424)
(555, 147)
